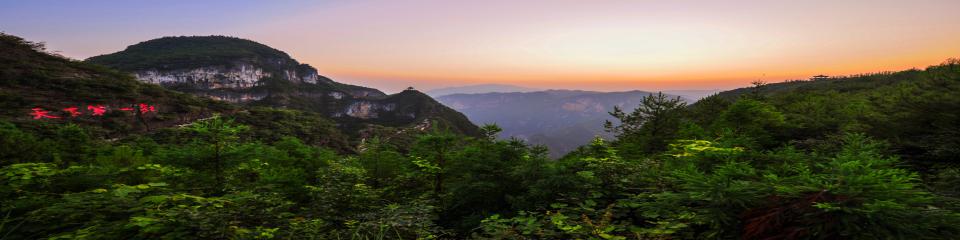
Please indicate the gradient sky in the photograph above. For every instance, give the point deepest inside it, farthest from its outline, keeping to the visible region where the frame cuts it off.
(594, 45)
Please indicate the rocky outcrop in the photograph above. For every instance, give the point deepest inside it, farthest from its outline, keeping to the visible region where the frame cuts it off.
(241, 76)
(238, 76)
(368, 109)
(233, 97)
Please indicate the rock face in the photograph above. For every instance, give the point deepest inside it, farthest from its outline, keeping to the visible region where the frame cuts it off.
(233, 97)
(368, 109)
(239, 76)
(245, 72)
(242, 76)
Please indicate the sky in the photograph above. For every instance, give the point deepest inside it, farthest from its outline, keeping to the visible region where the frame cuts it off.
(556, 44)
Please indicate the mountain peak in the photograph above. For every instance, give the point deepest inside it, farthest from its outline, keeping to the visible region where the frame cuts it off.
(189, 51)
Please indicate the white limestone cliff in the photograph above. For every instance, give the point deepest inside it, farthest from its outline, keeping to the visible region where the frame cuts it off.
(240, 76)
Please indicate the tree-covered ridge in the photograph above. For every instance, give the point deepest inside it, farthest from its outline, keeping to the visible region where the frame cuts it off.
(845, 83)
(184, 52)
(914, 110)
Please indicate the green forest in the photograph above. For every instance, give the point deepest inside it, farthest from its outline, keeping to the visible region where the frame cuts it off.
(871, 156)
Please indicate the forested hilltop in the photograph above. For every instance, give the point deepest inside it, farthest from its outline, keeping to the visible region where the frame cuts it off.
(864, 157)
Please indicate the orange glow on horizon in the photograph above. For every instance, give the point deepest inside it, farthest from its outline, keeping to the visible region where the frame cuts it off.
(613, 45)
(717, 79)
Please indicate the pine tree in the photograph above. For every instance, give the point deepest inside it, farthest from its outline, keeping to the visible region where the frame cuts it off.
(220, 135)
(651, 125)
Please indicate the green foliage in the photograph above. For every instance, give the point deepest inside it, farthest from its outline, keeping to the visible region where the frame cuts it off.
(649, 127)
(17, 146)
(710, 191)
(269, 124)
(383, 163)
(913, 110)
(433, 150)
(752, 122)
(142, 189)
(218, 136)
(490, 131)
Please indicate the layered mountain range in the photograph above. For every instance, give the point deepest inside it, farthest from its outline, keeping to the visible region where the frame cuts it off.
(562, 120)
(480, 88)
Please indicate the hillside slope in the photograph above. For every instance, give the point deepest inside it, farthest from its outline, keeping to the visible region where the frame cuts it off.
(842, 84)
(39, 90)
(34, 82)
(915, 110)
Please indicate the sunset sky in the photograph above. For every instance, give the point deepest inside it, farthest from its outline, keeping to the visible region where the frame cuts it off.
(593, 45)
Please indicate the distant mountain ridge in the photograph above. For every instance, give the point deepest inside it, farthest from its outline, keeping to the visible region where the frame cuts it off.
(246, 72)
(480, 88)
(560, 119)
